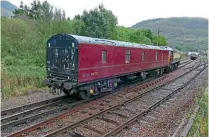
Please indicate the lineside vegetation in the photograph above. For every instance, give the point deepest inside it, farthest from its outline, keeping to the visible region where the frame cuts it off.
(200, 125)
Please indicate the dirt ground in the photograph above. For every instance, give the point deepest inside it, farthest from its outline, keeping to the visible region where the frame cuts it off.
(164, 120)
(30, 97)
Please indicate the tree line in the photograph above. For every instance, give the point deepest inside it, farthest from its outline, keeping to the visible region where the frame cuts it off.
(98, 22)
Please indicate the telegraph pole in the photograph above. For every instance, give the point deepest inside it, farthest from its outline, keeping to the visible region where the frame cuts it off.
(158, 33)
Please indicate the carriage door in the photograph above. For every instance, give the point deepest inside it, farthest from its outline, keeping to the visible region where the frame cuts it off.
(170, 57)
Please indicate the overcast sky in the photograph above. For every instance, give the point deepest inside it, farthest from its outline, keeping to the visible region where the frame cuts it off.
(130, 12)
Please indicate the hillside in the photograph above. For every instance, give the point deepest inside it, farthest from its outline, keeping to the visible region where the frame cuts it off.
(184, 33)
(7, 8)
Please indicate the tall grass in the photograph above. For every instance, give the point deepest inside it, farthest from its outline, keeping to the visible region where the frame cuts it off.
(200, 125)
(23, 52)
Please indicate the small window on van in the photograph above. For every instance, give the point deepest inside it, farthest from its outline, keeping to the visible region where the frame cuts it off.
(143, 54)
(104, 56)
(128, 54)
(156, 55)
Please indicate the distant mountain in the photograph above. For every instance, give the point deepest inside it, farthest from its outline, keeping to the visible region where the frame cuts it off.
(183, 33)
(7, 8)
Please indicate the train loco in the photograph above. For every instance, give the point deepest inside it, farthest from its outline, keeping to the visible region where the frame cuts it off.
(194, 56)
(85, 66)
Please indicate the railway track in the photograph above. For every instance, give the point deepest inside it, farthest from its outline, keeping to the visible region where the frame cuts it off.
(17, 114)
(58, 106)
(45, 122)
(26, 114)
(36, 111)
(7, 112)
(156, 103)
(57, 110)
(117, 118)
(184, 63)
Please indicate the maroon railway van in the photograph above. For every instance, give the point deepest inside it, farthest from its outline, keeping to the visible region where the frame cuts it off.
(89, 66)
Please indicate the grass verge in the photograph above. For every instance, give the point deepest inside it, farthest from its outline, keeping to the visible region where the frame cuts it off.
(200, 125)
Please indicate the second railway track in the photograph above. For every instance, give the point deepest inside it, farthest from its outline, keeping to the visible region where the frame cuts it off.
(104, 103)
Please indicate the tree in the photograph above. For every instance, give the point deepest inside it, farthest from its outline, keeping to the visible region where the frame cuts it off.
(77, 17)
(136, 36)
(147, 33)
(20, 11)
(57, 14)
(98, 22)
(41, 11)
(47, 11)
(78, 27)
(121, 33)
(35, 10)
(159, 40)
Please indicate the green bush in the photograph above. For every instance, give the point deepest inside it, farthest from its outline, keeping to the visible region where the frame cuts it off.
(24, 51)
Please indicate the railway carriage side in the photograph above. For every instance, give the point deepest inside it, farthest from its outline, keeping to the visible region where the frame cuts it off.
(102, 67)
(99, 61)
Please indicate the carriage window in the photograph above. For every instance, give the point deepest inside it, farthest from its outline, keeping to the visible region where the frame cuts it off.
(156, 54)
(162, 56)
(128, 53)
(143, 56)
(104, 56)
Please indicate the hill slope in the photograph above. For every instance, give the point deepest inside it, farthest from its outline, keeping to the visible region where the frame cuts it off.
(7, 8)
(181, 32)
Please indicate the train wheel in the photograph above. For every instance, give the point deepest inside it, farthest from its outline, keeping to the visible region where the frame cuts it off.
(167, 69)
(171, 69)
(66, 92)
(158, 72)
(161, 71)
(115, 85)
(84, 95)
(176, 66)
(143, 75)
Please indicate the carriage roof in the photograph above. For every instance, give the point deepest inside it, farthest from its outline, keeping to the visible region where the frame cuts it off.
(90, 40)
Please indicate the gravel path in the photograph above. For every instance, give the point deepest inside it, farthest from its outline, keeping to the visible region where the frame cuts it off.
(165, 119)
(30, 97)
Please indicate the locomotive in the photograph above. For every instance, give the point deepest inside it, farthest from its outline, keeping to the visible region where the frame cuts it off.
(193, 55)
(86, 66)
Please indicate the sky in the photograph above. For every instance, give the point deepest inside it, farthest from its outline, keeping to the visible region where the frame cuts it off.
(130, 12)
